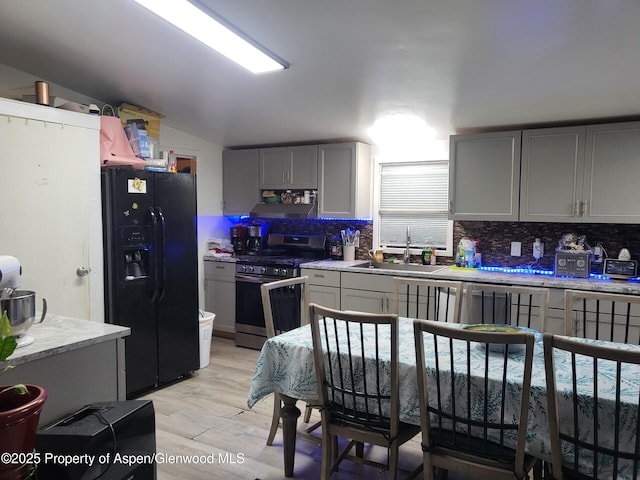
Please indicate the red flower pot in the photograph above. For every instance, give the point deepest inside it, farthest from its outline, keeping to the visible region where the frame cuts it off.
(19, 416)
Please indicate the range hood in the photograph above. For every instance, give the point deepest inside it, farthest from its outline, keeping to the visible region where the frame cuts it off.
(284, 210)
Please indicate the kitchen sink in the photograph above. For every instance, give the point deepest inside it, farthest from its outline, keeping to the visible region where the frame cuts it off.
(411, 267)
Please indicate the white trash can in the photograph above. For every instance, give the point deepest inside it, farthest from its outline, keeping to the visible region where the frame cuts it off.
(206, 328)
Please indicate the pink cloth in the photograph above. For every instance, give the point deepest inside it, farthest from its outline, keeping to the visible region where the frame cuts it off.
(115, 149)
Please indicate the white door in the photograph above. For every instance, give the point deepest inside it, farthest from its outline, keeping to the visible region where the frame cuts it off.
(50, 211)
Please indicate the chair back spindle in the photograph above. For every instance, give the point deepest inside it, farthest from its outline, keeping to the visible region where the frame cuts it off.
(589, 443)
(602, 316)
(438, 300)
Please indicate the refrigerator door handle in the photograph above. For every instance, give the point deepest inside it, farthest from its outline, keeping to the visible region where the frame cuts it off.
(162, 253)
(154, 228)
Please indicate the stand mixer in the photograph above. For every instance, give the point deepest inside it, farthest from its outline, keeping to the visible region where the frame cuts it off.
(19, 304)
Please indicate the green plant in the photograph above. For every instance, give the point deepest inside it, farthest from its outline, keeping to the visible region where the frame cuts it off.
(7, 346)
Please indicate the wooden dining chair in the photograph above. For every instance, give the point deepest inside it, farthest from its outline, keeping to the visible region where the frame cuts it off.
(602, 316)
(357, 371)
(507, 304)
(591, 437)
(439, 300)
(285, 307)
(473, 390)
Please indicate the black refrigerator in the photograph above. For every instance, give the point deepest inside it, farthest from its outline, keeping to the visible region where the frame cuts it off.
(151, 272)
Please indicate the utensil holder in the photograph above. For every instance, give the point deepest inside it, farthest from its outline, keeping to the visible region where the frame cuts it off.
(349, 253)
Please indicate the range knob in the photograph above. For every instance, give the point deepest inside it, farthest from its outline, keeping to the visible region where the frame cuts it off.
(243, 268)
(580, 263)
(263, 270)
(283, 272)
(250, 268)
(276, 271)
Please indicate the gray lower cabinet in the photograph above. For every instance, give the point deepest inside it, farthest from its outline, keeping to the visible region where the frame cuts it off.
(366, 293)
(344, 180)
(240, 189)
(323, 287)
(283, 168)
(220, 294)
(484, 176)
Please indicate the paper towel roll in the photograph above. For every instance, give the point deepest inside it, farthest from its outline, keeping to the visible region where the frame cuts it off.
(10, 271)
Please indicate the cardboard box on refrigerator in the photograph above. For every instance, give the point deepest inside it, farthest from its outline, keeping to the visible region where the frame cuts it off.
(128, 112)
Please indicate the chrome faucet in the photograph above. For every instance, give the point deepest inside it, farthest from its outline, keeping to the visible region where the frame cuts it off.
(407, 256)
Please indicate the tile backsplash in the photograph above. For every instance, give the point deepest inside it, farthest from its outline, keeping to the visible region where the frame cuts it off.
(495, 237)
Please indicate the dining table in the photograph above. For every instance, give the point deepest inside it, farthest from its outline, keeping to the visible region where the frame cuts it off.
(286, 366)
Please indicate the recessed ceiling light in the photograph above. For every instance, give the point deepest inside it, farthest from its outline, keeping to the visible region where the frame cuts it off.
(200, 23)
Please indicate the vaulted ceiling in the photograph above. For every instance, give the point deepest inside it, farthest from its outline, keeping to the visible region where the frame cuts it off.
(458, 64)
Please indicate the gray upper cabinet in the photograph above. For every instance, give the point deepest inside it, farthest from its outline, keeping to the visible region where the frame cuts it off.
(484, 176)
(283, 168)
(612, 173)
(240, 190)
(344, 180)
(581, 174)
(552, 174)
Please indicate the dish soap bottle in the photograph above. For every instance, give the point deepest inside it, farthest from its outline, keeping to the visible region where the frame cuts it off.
(427, 252)
(432, 259)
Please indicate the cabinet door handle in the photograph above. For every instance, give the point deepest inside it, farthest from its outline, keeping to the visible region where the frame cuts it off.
(220, 267)
(283, 181)
(450, 206)
(576, 209)
(585, 206)
(318, 275)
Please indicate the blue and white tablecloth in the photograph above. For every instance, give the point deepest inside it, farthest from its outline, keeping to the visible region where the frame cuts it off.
(286, 366)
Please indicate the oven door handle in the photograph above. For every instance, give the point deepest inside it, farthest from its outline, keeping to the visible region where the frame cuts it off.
(253, 279)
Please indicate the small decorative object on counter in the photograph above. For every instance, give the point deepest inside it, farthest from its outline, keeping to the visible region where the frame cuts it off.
(466, 253)
(432, 258)
(426, 255)
(336, 248)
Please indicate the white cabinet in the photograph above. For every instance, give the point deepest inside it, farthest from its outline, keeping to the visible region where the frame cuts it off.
(323, 287)
(581, 174)
(366, 292)
(484, 176)
(283, 168)
(220, 294)
(240, 190)
(612, 174)
(51, 205)
(552, 174)
(344, 180)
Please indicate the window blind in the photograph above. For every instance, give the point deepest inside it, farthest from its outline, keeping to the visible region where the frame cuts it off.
(414, 195)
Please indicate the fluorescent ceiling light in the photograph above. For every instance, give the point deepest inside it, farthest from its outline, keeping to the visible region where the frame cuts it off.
(215, 34)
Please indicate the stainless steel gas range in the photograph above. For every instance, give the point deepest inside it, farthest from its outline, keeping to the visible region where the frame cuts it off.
(279, 260)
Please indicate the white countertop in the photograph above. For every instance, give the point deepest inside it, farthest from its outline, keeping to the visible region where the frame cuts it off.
(481, 276)
(59, 334)
(473, 275)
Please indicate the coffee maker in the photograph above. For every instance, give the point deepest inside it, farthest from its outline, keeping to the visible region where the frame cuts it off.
(239, 239)
(256, 237)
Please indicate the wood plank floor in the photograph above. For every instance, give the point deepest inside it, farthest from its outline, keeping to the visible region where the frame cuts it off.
(207, 415)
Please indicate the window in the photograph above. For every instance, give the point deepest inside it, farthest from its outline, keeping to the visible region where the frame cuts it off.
(414, 195)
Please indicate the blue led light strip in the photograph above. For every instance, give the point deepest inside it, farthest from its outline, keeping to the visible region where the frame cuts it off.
(536, 271)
